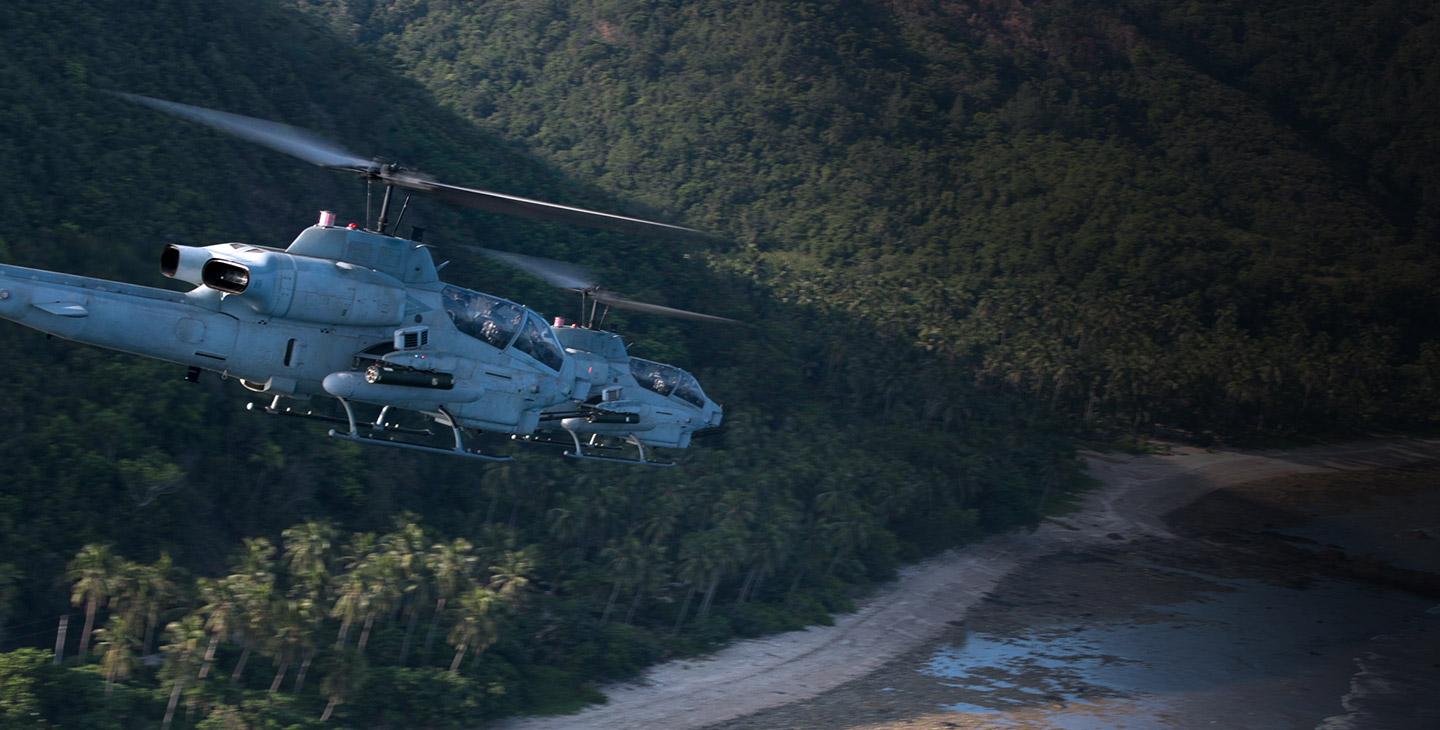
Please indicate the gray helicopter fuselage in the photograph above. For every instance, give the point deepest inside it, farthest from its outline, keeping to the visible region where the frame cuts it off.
(293, 322)
(666, 403)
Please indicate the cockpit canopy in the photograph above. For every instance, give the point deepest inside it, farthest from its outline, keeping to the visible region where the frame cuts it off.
(499, 323)
(667, 380)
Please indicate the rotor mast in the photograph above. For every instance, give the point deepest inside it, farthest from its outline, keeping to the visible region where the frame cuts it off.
(381, 219)
(385, 172)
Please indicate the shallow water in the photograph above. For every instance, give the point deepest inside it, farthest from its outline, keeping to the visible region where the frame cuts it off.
(1240, 653)
(1372, 531)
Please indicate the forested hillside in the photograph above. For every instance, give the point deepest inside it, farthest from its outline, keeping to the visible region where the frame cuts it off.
(964, 233)
(1216, 216)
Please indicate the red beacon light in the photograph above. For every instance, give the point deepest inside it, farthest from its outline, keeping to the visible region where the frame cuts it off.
(352, 226)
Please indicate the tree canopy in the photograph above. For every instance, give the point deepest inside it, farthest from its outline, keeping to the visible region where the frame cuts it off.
(967, 234)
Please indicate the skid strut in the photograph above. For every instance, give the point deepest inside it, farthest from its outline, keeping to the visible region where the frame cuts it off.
(381, 424)
(275, 409)
(458, 450)
(580, 453)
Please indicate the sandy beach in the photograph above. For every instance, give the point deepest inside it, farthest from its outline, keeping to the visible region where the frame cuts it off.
(1105, 617)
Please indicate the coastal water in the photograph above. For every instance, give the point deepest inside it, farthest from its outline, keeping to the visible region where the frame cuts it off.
(1302, 601)
(1245, 653)
(1310, 603)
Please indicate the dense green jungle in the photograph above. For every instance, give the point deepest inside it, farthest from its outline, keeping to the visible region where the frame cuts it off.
(968, 235)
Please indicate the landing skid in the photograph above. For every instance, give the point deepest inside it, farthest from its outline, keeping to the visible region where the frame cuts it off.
(534, 440)
(579, 452)
(275, 409)
(353, 433)
(459, 449)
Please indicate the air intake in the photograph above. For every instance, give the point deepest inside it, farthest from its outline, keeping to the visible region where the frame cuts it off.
(412, 338)
(228, 277)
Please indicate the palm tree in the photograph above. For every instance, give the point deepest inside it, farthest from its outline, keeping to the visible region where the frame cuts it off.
(696, 566)
(307, 555)
(654, 570)
(509, 577)
(93, 571)
(220, 612)
(379, 576)
(258, 560)
(735, 510)
(287, 636)
(253, 587)
(159, 590)
(765, 551)
(705, 558)
(845, 533)
(475, 630)
(117, 646)
(311, 615)
(562, 524)
(308, 548)
(350, 602)
(450, 565)
(127, 591)
(346, 675)
(664, 517)
(407, 548)
(721, 548)
(182, 644)
(626, 563)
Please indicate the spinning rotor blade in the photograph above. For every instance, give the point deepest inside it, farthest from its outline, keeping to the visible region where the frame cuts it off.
(312, 148)
(564, 275)
(619, 302)
(284, 138)
(555, 273)
(538, 209)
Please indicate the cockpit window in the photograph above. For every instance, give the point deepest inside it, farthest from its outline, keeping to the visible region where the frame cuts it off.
(667, 380)
(539, 342)
(482, 316)
(654, 376)
(689, 391)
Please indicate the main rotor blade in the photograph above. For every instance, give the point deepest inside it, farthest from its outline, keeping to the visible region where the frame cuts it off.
(566, 275)
(317, 150)
(292, 141)
(620, 302)
(538, 209)
(556, 273)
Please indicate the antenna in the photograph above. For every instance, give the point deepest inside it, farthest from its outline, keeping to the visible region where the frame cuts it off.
(404, 206)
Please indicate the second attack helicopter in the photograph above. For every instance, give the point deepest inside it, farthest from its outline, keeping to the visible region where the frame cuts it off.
(360, 315)
(644, 403)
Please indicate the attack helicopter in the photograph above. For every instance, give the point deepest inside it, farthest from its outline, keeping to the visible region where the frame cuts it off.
(361, 315)
(645, 403)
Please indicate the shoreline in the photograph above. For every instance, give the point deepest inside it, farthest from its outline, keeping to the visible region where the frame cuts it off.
(1238, 623)
(1136, 493)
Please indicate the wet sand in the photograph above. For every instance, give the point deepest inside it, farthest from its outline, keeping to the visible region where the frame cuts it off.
(1299, 601)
